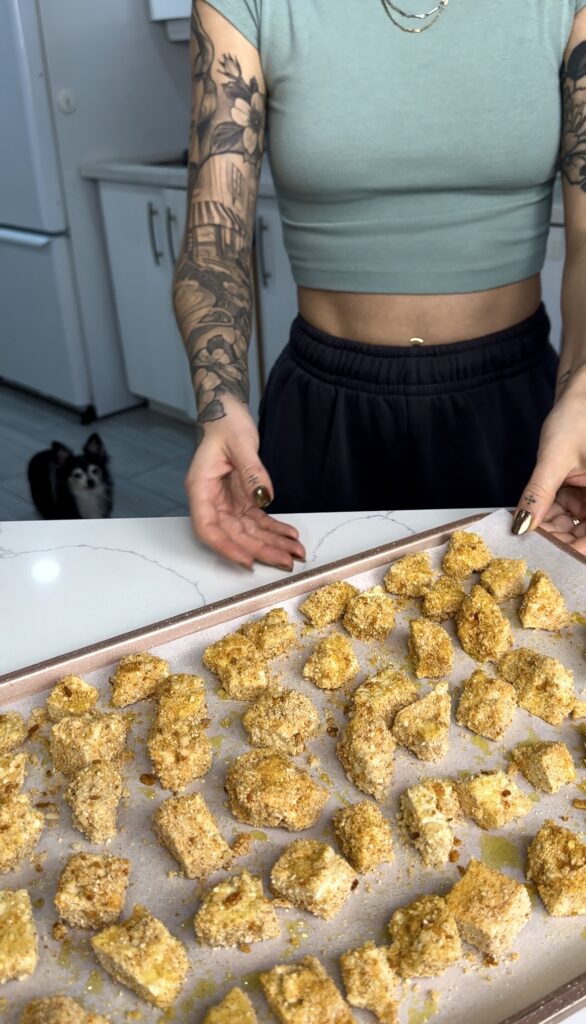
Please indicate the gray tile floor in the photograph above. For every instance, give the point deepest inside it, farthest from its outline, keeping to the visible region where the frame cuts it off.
(149, 454)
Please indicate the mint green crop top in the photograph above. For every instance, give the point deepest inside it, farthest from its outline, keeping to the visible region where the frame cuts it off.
(411, 163)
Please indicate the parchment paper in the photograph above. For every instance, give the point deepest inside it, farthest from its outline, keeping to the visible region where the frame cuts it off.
(547, 953)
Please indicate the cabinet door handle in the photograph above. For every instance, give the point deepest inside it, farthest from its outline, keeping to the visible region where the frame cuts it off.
(157, 253)
(171, 220)
(265, 274)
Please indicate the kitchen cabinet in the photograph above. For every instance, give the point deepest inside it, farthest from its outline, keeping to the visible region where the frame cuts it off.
(144, 227)
(276, 289)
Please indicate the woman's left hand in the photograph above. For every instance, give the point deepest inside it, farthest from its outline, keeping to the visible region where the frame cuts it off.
(555, 497)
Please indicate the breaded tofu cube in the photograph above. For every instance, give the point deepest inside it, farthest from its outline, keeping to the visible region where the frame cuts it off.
(187, 827)
(309, 875)
(80, 740)
(426, 812)
(466, 553)
(137, 676)
(384, 694)
(486, 706)
(94, 795)
(579, 709)
(303, 993)
(71, 696)
(92, 889)
(272, 635)
(143, 955)
(265, 789)
(327, 604)
(332, 664)
(239, 666)
(548, 765)
(235, 1008)
(484, 632)
(283, 719)
(18, 936)
(12, 774)
(235, 912)
(430, 649)
(543, 607)
(544, 687)
(504, 578)
(181, 696)
(59, 1010)
(364, 836)
(492, 799)
(370, 615)
(556, 862)
(443, 599)
(20, 830)
(13, 731)
(424, 938)
(370, 981)
(367, 753)
(179, 753)
(424, 726)
(410, 576)
(490, 908)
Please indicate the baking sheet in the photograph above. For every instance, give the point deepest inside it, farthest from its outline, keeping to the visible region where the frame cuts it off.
(550, 951)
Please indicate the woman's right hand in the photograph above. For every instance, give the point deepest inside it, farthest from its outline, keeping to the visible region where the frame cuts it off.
(222, 478)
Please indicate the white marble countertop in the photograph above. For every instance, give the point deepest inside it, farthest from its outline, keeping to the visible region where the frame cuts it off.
(67, 584)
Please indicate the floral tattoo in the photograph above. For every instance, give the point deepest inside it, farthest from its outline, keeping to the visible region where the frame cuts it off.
(212, 291)
(573, 148)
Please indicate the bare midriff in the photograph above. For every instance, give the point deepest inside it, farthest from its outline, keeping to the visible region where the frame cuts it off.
(435, 319)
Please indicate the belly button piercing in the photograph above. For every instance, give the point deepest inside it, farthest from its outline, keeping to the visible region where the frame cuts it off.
(416, 341)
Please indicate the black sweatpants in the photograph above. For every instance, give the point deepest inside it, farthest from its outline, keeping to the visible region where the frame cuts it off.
(347, 426)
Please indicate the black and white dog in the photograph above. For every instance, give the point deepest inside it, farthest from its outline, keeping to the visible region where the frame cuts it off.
(68, 486)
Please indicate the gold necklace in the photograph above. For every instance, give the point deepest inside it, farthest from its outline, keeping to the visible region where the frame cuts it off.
(392, 10)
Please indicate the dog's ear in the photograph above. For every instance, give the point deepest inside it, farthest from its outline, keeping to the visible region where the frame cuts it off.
(61, 452)
(94, 446)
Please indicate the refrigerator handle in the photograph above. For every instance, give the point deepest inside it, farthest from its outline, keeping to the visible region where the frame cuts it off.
(157, 253)
(28, 239)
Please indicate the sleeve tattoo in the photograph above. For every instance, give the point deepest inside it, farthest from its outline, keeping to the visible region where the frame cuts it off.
(573, 143)
(212, 289)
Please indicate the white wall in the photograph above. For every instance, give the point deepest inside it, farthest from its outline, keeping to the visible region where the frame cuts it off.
(131, 93)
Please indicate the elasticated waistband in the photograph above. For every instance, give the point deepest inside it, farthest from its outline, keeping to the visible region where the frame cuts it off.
(425, 370)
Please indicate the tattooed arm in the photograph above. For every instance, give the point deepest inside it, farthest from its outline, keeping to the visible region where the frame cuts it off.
(556, 494)
(213, 295)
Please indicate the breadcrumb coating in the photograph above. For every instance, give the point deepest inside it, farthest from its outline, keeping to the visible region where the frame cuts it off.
(484, 632)
(427, 810)
(13, 731)
(80, 740)
(18, 936)
(59, 1010)
(370, 981)
(424, 726)
(543, 607)
(12, 774)
(235, 1008)
(504, 578)
(20, 830)
(332, 663)
(544, 687)
(137, 676)
(466, 553)
(239, 666)
(430, 649)
(187, 827)
(309, 875)
(71, 696)
(181, 696)
(327, 604)
(303, 993)
(283, 719)
(486, 706)
(410, 576)
(266, 789)
(94, 795)
(236, 912)
(424, 938)
(273, 635)
(367, 753)
(92, 889)
(180, 753)
(143, 955)
(490, 908)
(492, 799)
(370, 615)
(443, 599)
(556, 862)
(364, 836)
(548, 766)
(384, 694)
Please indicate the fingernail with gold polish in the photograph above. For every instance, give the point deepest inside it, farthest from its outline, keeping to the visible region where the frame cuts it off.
(261, 497)
(522, 522)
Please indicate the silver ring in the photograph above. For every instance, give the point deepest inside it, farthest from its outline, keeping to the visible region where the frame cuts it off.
(575, 521)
